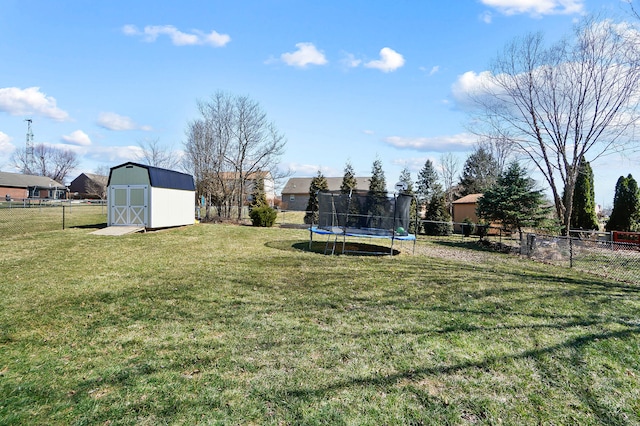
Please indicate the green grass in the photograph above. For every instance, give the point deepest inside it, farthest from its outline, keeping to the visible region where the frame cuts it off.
(220, 324)
(22, 221)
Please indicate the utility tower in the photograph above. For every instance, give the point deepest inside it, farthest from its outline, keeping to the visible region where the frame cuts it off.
(29, 160)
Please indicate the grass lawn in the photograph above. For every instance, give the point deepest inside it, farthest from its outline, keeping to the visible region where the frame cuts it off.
(221, 324)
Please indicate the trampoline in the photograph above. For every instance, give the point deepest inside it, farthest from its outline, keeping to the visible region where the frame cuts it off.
(362, 215)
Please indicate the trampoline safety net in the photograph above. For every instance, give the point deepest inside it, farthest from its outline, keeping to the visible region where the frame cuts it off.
(366, 214)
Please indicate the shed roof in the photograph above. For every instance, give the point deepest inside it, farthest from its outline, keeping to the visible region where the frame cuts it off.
(468, 199)
(17, 180)
(162, 178)
(301, 185)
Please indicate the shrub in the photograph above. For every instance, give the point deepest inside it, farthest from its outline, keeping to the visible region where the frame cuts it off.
(467, 227)
(263, 216)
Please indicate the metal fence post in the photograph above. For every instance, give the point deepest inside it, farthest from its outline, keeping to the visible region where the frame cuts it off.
(570, 252)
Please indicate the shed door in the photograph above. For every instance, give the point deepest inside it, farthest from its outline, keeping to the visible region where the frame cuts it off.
(128, 204)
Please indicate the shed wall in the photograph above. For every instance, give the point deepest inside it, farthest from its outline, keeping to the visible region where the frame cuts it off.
(171, 207)
(462, 211)
(129, 175)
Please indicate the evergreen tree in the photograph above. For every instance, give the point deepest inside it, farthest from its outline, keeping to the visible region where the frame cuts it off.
(405, 177)
(349, 181)
(514, 201)
(625, 215)
(377, 194)
(479, 172)
(427, 180)
(583, 214)
(318, 184)
(437, 218)
(258, 196)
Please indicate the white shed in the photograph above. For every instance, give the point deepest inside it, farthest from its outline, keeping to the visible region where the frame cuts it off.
(141, 195)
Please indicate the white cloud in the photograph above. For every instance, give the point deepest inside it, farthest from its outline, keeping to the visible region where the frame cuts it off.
(113, 121)
(112, 154)
(434, 70)
(486, 17)
(414, 164)
(30, 101)
(307, 54)
(470, 84)
(6, 147)
(309, 169)
(536, 7)
(350, 61)
(390, 60)
(178, 38)
(78, 137)
(459, 142)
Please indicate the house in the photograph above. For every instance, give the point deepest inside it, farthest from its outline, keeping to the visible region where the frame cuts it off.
(150, 197)
(465, 208)
(295, 194)
(16, 186)
(89, 185)
(231, 178)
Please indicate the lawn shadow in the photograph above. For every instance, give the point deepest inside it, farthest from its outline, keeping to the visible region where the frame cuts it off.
(91, 226)
(328, 248)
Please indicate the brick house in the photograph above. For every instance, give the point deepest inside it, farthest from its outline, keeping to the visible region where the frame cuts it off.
(16, 186)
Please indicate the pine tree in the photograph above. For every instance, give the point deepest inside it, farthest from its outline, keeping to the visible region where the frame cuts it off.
(349, 181)
(514, 201)
(437, 218)
(318, 183)
(377, 194)
(258, 196)
(348, 185)
(405, 177)
(625, 215)
(479, 172)
(583, 214)
(427, 179)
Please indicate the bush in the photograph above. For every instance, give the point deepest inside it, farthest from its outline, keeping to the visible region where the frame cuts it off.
(263, 216)
(467, 227)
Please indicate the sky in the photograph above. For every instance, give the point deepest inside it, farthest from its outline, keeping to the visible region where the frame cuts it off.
(343, 80)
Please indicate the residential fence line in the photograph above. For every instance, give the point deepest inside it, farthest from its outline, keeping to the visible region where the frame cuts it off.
(20, 217)
(589, 251)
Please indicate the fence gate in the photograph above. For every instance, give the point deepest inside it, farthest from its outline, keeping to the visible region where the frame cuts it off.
(128, 205)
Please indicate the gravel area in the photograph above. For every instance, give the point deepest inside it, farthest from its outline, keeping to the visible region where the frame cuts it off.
(453, 253)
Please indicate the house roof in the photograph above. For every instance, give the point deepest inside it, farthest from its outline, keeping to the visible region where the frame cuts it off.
(162, 178)
(100, 179)
(301, 185)
(468, 199)
(17, 180)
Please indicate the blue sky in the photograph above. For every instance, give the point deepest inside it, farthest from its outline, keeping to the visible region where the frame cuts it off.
(343, 80)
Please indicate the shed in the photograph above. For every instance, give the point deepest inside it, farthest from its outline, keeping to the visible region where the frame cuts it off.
(141, 195)
(465, 208)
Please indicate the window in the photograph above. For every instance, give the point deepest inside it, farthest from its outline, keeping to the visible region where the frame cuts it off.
(292, 197)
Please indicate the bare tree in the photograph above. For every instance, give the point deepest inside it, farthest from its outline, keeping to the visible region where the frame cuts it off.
(500, 148)
(576, 98)
(154, 154)
(449, 168)
(47, 161)
(227, 145)
(96, 183)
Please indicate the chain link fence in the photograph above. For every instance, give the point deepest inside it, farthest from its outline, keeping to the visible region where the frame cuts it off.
(591, 252)
(32, 216)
